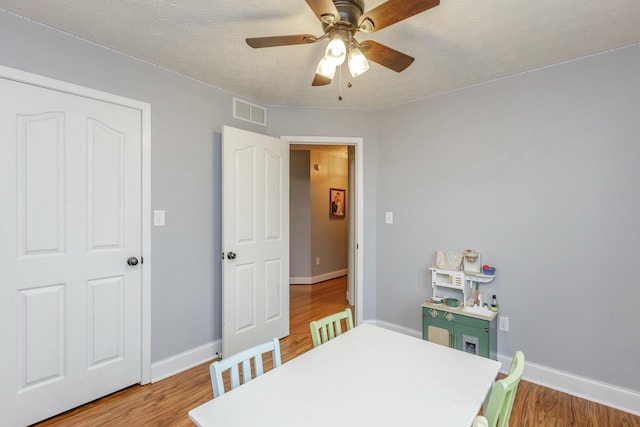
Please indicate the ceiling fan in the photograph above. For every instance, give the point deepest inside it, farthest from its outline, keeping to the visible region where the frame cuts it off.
(341, 20)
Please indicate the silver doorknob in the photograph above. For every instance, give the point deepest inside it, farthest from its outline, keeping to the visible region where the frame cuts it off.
(231, 255)
(132, 261)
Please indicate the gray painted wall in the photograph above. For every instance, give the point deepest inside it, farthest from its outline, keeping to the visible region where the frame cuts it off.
(299, 214)
(538, 171)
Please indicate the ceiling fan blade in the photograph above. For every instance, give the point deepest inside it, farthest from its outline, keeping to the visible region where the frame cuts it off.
(393, 11)
(320, 80)
(322, 8)
(257, 42)
(385, 56)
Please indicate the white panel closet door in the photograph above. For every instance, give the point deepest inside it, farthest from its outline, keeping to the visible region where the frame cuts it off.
(70, 217)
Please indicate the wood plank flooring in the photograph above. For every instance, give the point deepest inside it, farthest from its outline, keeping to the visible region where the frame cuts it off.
(167, 402)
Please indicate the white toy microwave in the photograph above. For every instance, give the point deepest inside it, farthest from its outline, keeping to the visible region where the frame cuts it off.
(447, 278)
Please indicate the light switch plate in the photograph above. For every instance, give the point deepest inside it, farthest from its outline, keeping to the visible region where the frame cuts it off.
(388, 217)
(158, 218)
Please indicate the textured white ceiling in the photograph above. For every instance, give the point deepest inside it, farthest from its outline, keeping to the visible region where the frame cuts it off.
(456, 44)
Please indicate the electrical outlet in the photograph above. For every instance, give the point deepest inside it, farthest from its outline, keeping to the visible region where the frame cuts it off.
(317, 261)
(504, 323)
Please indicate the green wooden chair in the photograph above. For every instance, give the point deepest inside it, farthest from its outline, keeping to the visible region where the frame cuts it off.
(329, 327)
(244, 357)
(497, 409)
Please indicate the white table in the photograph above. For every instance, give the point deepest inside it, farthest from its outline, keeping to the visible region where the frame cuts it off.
(369, 376)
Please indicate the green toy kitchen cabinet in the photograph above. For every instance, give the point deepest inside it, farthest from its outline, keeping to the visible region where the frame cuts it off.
(461, 330)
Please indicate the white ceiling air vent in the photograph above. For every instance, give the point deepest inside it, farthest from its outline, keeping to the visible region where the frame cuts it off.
(253, 113)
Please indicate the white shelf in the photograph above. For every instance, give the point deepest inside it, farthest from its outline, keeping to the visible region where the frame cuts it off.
(479, 277)
(457, 280)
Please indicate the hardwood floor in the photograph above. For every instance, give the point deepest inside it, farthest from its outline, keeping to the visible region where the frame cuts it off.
(167, 402)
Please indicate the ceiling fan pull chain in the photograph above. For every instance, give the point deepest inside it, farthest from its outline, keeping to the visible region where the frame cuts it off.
(340, 83)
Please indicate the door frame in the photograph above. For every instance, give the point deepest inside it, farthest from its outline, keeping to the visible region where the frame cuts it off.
(145, 114)
(358, 220)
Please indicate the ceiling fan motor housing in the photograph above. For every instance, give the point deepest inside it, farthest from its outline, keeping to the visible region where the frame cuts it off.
(350, 10)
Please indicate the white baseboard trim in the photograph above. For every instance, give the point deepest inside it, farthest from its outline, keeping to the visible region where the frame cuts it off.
(299, 280)
(586, 388)
(185, 360)
(318, 278)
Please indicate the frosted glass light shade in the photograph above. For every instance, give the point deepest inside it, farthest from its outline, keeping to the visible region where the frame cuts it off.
(336, 51)
(326, 68)
(358, 63)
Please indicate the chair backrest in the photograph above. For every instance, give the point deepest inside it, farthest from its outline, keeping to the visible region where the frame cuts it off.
(244, 357)
(498, 407)
(329, 327)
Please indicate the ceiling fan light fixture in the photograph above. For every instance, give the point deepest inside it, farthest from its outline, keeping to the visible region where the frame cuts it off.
(358, 63)
(341, 21)
(367, 25)
(336, 50)
(326, 68)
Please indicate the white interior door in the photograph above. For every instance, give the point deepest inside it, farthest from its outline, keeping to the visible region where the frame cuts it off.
(70, 217)
(255, 241)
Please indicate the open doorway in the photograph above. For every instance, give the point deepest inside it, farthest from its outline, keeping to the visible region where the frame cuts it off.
(319, 212)
(326, 166)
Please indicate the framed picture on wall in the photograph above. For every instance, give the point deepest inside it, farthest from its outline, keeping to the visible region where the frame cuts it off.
(337, 203)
